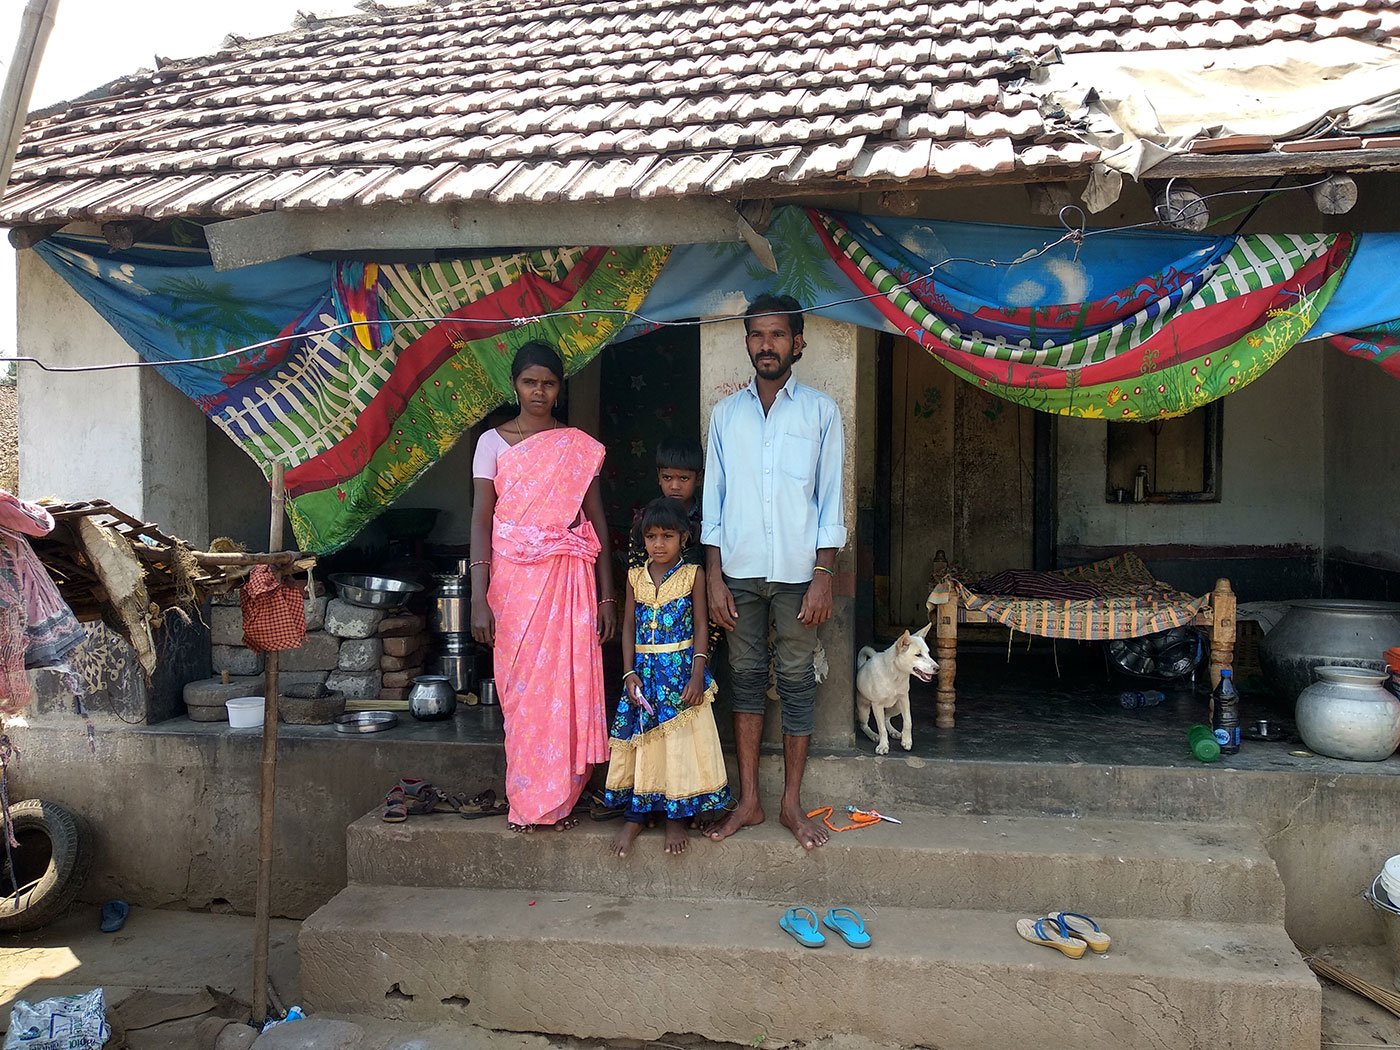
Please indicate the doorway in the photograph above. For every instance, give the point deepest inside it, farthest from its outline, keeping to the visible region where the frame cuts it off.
(958, 471)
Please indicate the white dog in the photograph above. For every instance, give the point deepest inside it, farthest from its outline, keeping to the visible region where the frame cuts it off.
(882, 686)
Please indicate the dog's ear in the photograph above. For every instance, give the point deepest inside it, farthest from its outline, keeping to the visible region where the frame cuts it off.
(922, 632)
(903, 642)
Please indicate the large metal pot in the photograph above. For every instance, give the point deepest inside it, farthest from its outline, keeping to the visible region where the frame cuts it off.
(457, 644)
(451, 616)
(451, 585)
(431, 697)
(459, 670)
(1327, 631)
(1348, 713)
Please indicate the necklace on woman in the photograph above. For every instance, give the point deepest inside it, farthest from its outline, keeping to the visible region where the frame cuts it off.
(520, 431)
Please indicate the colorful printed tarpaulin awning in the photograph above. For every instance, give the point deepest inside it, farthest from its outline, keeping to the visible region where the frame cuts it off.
(1162, 346)
(365, 374)
(386, 367)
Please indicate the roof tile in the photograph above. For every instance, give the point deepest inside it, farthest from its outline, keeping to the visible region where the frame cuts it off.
(543, 100)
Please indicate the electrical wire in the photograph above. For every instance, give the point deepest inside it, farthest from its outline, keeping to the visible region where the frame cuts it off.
(1075, 233)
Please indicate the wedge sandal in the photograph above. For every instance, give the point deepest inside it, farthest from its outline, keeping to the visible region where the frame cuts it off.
(1083, 928)
(1051, 934)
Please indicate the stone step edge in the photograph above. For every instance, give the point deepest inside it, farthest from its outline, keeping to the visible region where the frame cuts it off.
(536, 914)
(595, 966)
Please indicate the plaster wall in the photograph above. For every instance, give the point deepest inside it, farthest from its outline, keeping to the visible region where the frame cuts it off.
(1363, 444)
(126, 436)
(1271, 481)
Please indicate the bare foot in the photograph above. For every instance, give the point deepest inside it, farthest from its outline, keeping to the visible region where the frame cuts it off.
(565, 824)
(746, 814)
(676, 836)
(521, 829)
(626, 835)
(808, 833)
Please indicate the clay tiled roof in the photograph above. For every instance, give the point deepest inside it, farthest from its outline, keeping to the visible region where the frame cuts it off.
(579, 100)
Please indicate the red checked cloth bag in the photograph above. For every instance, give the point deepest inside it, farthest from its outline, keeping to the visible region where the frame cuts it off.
(274, 614)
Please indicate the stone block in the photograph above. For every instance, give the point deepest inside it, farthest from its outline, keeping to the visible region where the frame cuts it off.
(316, 613)
(226, 625)
(401, 626)
(355, 685)
(402, 646)
(401, 679)
(360, 654)
(205, 699)
(350, 621)
(312, 1033)
(397, 694)
(236, 660)
(302, 678)
(318, 653)
(401, 663)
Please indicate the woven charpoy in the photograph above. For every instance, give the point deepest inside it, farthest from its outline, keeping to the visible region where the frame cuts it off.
(1133, 604)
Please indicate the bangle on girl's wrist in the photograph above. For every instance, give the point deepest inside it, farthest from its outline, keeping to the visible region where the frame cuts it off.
(823, 568)
(631, 674)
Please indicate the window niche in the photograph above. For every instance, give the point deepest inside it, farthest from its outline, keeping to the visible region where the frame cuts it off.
(1182, 458)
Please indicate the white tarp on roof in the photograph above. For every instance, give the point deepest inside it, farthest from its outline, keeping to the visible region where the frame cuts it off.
(1142, 107)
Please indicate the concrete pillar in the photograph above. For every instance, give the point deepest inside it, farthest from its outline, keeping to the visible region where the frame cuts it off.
(830, 365)
(126, 436)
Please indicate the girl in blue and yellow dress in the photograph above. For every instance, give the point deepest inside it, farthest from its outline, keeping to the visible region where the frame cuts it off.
(666, 758)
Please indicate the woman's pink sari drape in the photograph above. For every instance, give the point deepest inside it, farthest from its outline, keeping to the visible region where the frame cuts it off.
(549, 668)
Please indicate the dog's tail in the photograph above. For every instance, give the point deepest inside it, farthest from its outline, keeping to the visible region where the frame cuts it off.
(863, 657)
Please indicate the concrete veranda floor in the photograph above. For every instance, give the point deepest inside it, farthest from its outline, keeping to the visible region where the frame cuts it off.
(181, 952)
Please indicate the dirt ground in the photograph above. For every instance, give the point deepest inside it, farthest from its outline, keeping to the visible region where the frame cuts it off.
(160, 959)
(9, 437)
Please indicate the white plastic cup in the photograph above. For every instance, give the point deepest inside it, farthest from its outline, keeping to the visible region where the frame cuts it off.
(245, 712)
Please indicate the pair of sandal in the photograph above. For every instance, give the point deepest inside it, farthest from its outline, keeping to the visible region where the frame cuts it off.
(800, 924)
(1067, 932)
(414, 796)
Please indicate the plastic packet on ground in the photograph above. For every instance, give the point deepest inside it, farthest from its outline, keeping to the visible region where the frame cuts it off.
(70, 1022)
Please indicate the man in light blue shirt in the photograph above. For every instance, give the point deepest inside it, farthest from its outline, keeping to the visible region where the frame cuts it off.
(773, 522)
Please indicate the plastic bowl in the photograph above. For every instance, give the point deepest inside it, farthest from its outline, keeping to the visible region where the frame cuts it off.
(245, 712)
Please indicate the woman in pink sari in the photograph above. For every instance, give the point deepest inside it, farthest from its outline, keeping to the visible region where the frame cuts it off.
(542, 593)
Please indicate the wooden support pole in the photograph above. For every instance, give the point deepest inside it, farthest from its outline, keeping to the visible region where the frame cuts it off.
(22, 237)
(123, 235)
(946, 635)
(1047, 198)
(1222, 630)
(263, 906)
(1337, 195)
(1182, 207)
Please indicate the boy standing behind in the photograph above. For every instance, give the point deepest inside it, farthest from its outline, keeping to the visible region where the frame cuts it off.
(680, 464)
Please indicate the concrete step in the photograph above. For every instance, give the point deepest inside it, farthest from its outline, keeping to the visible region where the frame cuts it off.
(608, 967)
(937, 860)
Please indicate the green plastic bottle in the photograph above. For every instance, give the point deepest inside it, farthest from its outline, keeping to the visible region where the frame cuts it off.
(1202, 743)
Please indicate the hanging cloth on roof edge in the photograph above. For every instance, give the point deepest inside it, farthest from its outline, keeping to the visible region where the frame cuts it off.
(357, 415)
(1174, 341)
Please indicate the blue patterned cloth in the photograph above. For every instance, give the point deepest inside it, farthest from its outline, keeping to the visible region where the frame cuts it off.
(665, 616)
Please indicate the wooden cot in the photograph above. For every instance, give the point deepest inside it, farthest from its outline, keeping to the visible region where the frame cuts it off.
(947, 610)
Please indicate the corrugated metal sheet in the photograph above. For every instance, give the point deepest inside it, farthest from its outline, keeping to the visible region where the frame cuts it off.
(581, 100)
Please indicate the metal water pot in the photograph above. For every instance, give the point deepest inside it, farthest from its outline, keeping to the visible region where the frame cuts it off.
(431, 698)
(1349, 713)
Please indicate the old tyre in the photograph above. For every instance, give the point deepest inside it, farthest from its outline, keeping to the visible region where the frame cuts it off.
(50, 865)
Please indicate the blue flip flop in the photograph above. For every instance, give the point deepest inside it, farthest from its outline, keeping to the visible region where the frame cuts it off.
(114, 915)
(795, 922)
(848, 925)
